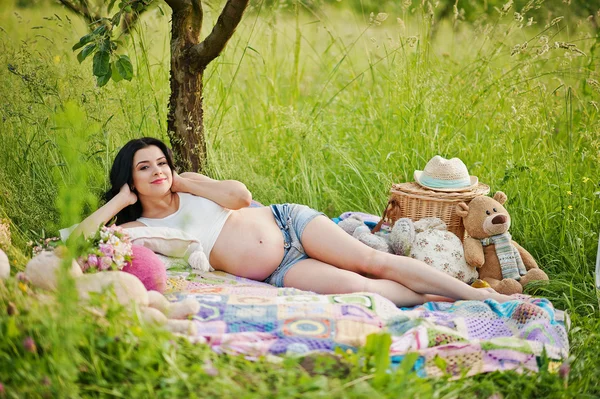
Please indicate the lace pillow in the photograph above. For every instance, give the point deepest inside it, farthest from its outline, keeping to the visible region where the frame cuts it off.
(441, 249)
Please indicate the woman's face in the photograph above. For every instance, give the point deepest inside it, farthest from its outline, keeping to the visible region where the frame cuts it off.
(152, 175)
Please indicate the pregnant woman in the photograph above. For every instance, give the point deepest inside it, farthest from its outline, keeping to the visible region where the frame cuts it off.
(286, 245)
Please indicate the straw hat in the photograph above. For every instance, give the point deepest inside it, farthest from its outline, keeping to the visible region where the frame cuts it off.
(441, 174)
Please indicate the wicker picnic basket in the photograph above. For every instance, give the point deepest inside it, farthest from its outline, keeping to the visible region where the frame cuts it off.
(410, 200)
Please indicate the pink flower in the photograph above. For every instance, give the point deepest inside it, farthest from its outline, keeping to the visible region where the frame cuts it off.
(22, 277)
(92, 260)
(111, 247)
(106, 249)
(105, 263)
(29, 345)
(564, 370)
(83, 264)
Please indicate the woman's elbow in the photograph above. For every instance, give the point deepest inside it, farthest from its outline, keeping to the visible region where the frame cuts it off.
(240, 196)
(245, 197)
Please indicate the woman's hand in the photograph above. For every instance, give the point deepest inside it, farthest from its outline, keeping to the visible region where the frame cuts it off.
(177, 183)
(89, 226)
(128, 196)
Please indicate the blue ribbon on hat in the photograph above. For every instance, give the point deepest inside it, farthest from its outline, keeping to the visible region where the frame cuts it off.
(440, 183)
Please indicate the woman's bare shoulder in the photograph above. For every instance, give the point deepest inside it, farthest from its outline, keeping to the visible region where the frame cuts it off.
(135, 223)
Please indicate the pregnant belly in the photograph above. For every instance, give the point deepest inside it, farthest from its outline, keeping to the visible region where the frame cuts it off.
(250, 244)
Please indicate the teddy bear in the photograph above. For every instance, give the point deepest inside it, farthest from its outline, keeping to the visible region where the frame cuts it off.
(355, 226)
(4, 266)
(5, 242)
(427, 240)
(502, 263)
(129, 290)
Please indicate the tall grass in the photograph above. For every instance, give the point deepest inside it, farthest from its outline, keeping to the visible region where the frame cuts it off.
(324, 107)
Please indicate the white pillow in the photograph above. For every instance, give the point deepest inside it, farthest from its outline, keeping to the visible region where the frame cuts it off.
(65, 233)
(173, 243)
(163, 240)
(441, 249)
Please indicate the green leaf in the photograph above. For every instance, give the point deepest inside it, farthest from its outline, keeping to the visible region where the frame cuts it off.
(377, 349)
(11, 328)
(382, 357)
(101, 63)
(116, 19)
(116, 75)
(124, 67)
(409, 362)
(83, 41)
(89, 49)
(100, 30)
(102, 80)
(441, 363)
(105, 45)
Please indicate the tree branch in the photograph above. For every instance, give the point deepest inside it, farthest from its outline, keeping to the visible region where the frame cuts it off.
(198, 17)
(81, 10)
(178, 5)
(203, 53)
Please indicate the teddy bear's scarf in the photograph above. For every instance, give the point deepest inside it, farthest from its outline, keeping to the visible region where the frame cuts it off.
(508, 256)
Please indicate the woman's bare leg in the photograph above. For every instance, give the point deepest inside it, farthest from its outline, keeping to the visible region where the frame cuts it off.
(323, 240)
(316, 276)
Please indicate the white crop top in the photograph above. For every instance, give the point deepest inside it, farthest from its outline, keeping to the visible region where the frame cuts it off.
(197, 216)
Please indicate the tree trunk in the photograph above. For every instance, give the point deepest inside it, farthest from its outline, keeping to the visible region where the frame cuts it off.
(189, 58)
(185, 119)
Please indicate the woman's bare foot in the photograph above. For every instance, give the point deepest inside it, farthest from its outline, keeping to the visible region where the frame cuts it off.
(437, 298)
(499, 297)
(490, 293)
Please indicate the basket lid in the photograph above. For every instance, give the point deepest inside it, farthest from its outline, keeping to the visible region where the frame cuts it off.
(415, 189)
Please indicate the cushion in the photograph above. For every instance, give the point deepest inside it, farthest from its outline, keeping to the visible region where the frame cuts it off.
(148, 267)
(441, 249)
(164, 240)
(172, 243)
(66, 232)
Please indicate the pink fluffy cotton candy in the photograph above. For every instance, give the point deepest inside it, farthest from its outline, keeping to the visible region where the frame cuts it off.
(148, 268)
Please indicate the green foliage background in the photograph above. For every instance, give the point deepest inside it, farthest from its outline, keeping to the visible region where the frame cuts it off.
(322, 104)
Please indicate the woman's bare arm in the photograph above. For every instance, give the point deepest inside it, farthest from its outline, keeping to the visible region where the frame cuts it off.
(90, 224)
(230, 194)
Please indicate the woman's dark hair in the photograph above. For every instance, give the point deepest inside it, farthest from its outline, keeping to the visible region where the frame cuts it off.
(122, 173)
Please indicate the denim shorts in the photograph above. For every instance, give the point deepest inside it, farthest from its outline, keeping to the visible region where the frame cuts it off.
(292, 219)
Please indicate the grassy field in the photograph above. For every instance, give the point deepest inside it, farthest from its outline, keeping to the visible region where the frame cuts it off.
(326, 108)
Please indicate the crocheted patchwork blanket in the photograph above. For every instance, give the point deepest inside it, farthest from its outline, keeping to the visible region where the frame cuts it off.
(242, 316)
